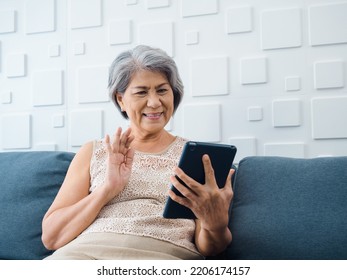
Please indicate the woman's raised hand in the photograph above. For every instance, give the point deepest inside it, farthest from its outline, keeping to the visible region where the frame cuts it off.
(119, 161)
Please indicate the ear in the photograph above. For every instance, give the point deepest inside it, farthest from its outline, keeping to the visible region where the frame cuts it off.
(119, 99)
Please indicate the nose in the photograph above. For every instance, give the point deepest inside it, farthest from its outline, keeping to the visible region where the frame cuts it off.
(153, 100)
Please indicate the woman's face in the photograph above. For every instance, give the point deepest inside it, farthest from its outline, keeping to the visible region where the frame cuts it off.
(148, 101)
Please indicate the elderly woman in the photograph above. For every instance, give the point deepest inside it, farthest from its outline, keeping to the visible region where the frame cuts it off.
(111, 202)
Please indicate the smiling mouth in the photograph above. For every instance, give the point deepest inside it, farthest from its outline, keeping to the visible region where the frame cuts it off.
(153, 115)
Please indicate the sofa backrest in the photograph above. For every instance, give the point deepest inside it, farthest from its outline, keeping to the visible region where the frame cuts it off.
(287, 208)
(29, 181)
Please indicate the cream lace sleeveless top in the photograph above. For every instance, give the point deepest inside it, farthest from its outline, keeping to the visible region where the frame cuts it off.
(138, 209)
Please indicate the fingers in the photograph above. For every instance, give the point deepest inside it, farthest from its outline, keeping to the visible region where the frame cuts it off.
(116, 140)
(121, 141)
(210, 178)
(129, 157)
(107, 144)
(188, 196)
(228, 189)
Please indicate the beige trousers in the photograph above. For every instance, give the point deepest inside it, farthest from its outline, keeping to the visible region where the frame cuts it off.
(113, 246)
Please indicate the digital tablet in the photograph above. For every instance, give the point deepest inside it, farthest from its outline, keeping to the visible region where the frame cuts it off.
(221, 156)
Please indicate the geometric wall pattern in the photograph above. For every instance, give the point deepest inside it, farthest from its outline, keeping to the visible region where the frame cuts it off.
(267, 76)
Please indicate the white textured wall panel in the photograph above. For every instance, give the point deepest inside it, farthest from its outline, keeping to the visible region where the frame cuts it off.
(281, 28)
(7, 21)
(6, 97)
(58, 121)
(54, 50)
(47, 88)
(202, 122)
(286, 113)
(327, 23)
(16, 131)
(154, 4)
(158, 34)
(198, 7)
(120, 32)
(292, 83)
(254, 113)
(39, 16)
(329, 118)
(239, 19)
(268, 75)
(92, 84)
(130, 2)
(85, 125)
(209, 76)
(192, 37)
(329, 74)
(246, 146)
(16, 65)
(295, 150)
(79, 48)
(85, 13)
(253, 70)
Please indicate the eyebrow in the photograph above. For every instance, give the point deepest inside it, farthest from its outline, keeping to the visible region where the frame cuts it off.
(144, 87)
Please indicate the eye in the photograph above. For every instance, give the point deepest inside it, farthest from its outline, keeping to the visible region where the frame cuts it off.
(141, 93)
(162, 91)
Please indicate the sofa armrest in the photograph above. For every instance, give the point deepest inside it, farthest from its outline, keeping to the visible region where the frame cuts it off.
(287, 208)
(29, 183)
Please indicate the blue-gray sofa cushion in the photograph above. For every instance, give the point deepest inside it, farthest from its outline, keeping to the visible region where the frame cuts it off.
(288, 208)
(29, 182)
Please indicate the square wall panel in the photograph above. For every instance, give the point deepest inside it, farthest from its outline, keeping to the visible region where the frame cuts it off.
(6, 97)
(85, 13)
(130, 2)
(192, 37)
(58, 121)
(85, 125)
(16, 65)
(329, 117)
(54, 50)
(253, 70)
(329, 74)
(281, 28)
(327, 23)
(209, 76)
(239, 19)
(16, 131)
(246, 146)
(154, 4)
(202, 122)
(193, 8)
(120, 32)
(294, 150)
(40, 16)
(47, 88)
(7, 21)
(92, 84)
(79, 48)
(255, 113)
(292, 83)
(286, 113)
(159, 34)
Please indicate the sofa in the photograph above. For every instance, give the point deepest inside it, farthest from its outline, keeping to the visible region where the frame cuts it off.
(283, 208)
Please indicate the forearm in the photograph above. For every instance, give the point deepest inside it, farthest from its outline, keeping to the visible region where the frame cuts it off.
(211, 243)
(63, 225)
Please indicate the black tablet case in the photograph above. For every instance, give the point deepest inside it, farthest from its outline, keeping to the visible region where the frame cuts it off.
(221, 156)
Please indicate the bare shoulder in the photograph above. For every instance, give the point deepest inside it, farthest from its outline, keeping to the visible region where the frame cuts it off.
(77, 180)
(84, 154)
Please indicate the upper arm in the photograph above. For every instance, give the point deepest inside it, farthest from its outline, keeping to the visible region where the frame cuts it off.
(77, 180)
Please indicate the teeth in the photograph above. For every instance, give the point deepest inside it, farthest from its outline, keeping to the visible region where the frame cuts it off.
(153, 115)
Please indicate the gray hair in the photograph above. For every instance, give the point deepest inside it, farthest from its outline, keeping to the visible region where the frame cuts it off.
(143, 58)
